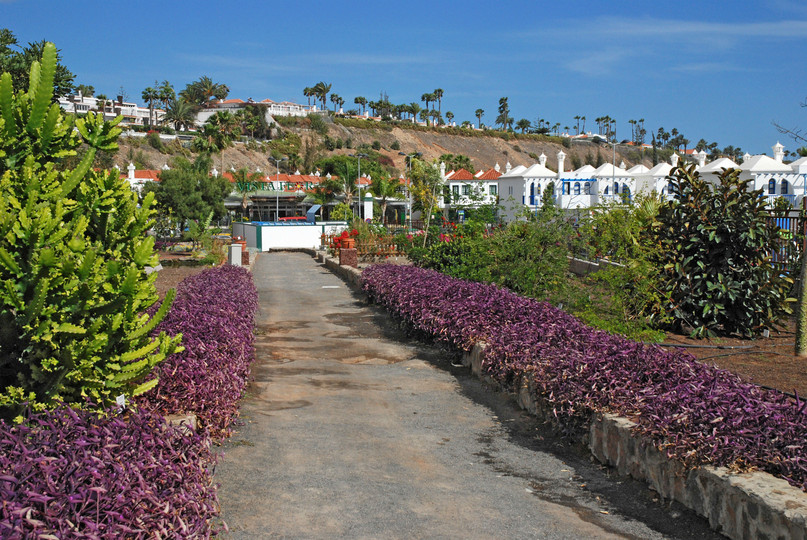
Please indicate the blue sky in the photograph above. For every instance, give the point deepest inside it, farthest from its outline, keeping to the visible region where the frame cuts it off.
(723, 71)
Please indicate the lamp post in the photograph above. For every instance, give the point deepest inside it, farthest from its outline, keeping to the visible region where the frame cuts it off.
(358, 182)
(277, 183)
(409, 181)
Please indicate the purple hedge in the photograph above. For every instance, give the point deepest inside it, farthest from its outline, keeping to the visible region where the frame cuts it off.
(696, 413)
(74, 474)
(214, 311)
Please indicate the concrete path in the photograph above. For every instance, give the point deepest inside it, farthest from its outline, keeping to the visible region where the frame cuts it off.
(353, 430)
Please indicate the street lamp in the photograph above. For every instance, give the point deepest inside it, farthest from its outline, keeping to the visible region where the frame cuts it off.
(361, 203)
(409, 180)
(277, 184)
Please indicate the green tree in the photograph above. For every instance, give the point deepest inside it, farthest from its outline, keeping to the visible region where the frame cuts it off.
(180, 114)
(244, 182)
(438, 95)
(87, 91)
(385, 188)
(361, 100)
(479, 113)
(715, 243)
(504, 113)
(188, 192)
(17, 62)
(203, 92)
(426, 188)
(73, 255)
(150, 95)
(523, 125)
(321, 90)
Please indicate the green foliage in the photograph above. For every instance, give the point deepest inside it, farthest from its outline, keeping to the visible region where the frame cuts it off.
(395, 145)
(713, 248)
(18, 63)
(188, 192)
(289, 143)
(317, 123)
(73, 258)
(155, 142)
(341, 212)
(376, 145)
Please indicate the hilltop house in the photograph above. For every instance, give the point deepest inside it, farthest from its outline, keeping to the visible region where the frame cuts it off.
(270, 109)
(133, 114)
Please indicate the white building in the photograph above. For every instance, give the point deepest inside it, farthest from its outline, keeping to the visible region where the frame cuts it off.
(270, 109)
(133, 114)
(521, 188)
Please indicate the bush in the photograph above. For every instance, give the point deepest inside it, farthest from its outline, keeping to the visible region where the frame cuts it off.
(376, 145)
(73, 258)
(214, 312)
(395, 145)
(693, 412)
(714, 253)
(153, 139)
(78, 474)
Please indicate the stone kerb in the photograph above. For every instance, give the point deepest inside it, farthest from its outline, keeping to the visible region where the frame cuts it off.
(738, 505)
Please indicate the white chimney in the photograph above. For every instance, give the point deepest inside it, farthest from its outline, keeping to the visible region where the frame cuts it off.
(746, 157)
(442, 170)
(215, 173)
(674, 160)
(701, 158)
(561, 162)
(131, 169)
(542, 159)
(778, 152)
(507, 167)
(497, 168)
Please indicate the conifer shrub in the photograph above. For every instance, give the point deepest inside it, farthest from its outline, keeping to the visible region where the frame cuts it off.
(73, 259)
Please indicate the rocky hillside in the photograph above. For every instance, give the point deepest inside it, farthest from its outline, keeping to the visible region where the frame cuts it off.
(485, 151)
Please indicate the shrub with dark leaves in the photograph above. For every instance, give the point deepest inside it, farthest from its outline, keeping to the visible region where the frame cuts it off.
(214, 311)
(696, 413)
(75, 474)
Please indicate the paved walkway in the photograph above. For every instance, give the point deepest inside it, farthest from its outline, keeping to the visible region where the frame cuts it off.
(352, 430)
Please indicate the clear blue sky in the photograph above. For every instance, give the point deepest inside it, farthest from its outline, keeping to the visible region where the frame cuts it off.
(722, 71)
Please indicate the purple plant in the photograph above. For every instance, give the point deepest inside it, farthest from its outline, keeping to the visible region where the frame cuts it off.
(75, 474)
(696, 413)
(214, 311)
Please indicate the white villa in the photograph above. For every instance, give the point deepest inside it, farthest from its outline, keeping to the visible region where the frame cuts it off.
(133, 114)
(271, 108)
(522, 187)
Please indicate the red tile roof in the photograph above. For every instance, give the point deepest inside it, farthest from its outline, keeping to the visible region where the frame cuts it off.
(490, 174)
(462, 174)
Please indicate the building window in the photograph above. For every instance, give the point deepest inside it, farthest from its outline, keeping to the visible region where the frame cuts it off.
(772, 187)
(466, 189)
(509, 190)
(587, 188)
(565, 189)
(785, 187)
(616, 188)
(577, 188)
(455, 190)
(494, 189)
(606, 190)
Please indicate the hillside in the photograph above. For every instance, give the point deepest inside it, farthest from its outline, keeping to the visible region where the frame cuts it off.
(484, 150)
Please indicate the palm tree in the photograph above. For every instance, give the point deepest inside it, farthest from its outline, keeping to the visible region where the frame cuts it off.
(361, 100)
(321, 90)
(335, 100)
(504, 113)
(180, 113)
(308, 92)
(414, 110)
(450, 116)
(583, 118)
(102, 99)
(578, 124)
(243, 180)
(325, 192)
(423, 115)
(384, 188)
(479, 114)
(428, 98)
(225, 128)
(150, 95)
(166, 92)
(523, 125)
(438, 94)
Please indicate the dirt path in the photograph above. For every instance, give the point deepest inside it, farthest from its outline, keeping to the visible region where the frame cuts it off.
(352, 430)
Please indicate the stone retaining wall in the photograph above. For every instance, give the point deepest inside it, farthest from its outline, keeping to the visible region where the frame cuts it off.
(751, 505)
